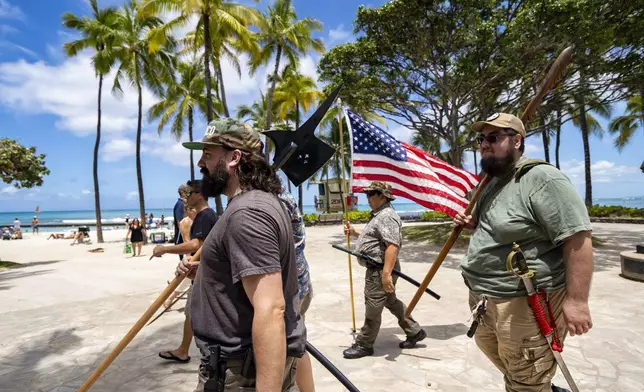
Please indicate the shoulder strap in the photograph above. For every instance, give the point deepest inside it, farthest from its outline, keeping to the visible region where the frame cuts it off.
(527, 164)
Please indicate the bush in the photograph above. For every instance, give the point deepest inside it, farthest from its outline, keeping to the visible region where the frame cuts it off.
(432, 215)
(615, 211)
(359, 216)
(311, 218)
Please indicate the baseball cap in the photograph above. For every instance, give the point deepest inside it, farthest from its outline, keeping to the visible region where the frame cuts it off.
(501, 120)
(228, 132)
(381, 187)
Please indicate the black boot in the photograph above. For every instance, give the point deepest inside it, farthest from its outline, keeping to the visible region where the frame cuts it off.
(357, 351)
(411, 342)
(557, 389)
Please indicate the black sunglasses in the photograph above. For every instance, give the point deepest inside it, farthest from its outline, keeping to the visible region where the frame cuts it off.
(371, 193)
(493, 138)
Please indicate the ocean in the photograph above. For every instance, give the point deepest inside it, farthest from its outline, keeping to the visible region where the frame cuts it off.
(71, 219)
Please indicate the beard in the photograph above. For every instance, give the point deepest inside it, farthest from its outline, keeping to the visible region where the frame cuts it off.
(495, 167)
(215, 184)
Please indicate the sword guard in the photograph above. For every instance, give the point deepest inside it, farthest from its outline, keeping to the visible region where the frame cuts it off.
(516, 263)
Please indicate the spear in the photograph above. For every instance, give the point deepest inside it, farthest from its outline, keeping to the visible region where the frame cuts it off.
(549, 81)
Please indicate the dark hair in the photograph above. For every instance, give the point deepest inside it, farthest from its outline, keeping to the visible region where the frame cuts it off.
(195, 185)
(253, 172)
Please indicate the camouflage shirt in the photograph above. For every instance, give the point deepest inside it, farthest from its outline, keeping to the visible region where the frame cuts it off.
(299, 237)
(383, 229)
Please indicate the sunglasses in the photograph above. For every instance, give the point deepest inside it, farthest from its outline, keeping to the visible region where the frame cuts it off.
(493, 138)
(188, 193)
(371, 193)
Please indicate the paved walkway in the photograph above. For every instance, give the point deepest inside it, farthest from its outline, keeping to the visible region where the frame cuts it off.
(61, 318)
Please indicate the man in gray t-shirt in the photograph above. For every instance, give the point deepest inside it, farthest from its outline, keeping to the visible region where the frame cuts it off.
(245, 294)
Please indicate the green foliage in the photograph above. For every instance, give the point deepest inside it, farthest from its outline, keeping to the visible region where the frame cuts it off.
(435, 234)
(20, 165)
(431, 215)
(359, 216)
(310, 218)
(615, 211)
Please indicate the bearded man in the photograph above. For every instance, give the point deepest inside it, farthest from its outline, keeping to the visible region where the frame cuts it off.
(245, 299)
(533, 204)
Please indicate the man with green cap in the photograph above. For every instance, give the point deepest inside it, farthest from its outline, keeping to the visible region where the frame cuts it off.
(245, 301)
(532, 204)
(381, 238)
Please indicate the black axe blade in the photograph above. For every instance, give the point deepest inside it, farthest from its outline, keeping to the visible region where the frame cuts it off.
(299, 153)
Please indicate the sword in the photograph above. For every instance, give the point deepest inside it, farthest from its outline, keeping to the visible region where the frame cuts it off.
(516, 257)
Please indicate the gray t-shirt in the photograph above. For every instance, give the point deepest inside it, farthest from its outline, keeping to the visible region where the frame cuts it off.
(252, 237)
(383, 229)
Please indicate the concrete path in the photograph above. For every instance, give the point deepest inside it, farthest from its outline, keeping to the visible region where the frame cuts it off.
(64, 313)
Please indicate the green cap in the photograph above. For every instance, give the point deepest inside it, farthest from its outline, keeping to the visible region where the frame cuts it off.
(231, 133)
(381, 187)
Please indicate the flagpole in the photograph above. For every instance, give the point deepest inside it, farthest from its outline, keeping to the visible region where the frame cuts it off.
(346, 212)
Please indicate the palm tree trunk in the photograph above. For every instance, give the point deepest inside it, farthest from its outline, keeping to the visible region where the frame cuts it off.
(97, 196)
(192, 162)
(139, 172)
(224, 102)
(558, 140)
(300, 193)
(206, 60)
(545, 138)
(269, 103)
(583, 123)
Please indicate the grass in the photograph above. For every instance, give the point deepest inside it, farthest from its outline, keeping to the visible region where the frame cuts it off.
(438, 235)
(435, 235)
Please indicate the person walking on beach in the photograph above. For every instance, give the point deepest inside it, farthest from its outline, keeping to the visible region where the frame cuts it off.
(533, 204)
(203, 222)
(381, 239)
(34, 225)
(184, 226)
(178, 213)
(135, 233)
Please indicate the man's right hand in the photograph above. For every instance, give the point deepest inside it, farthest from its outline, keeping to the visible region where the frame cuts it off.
(349, 230)
(188, 268)
(467, 221)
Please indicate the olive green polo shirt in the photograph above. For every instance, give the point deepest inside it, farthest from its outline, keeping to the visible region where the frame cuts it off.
(534, 205)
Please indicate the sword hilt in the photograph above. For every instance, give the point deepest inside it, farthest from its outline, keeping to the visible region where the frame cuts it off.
(516, 263)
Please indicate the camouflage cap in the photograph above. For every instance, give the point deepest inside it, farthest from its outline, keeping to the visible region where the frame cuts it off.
(381, 187)
(231, 133)
(501, 120)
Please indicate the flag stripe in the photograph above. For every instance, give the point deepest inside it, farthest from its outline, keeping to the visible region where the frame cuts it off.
(409, 176)
(454, 183)
(470, 179)
(428, 202)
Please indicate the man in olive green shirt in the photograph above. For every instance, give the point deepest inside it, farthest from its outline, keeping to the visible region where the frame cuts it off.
(535, 205)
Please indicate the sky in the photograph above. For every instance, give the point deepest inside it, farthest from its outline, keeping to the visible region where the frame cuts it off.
(48, 101)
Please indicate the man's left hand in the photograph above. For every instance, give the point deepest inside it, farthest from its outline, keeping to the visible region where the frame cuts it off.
(158, 251)
(577, 316)
(388, 283)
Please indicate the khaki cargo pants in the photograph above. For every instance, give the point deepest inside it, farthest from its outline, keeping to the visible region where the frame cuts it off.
(376, 299)
(510, 337)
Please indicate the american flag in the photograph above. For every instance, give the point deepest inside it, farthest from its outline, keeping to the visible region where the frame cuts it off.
(413, 173)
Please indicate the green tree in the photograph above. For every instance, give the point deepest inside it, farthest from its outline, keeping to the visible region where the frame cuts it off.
(20, 166)
(95, 35)
(625, 126)
(140, 66)
(181, 100)
(225, 16)
(282, 34)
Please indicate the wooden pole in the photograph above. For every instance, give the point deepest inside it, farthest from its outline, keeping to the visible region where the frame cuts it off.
(135, 328)
(346, 212)
(556, 70)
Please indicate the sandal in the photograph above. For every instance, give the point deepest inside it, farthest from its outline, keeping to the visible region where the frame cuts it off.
(171, 357)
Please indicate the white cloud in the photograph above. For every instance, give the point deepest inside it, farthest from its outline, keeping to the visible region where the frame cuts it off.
(400, 133)
(339, 34)
(10, 11)
(165, 147)
(532, 148)
(11, 46)
(246, 84)
(86, 192)
(308, 67)
(132, 195)
(117, 148)
(9, 190)
(601, 171)
(6, 30)
(69, 91)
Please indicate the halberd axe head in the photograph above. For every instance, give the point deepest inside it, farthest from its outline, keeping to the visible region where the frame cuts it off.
(299, 154)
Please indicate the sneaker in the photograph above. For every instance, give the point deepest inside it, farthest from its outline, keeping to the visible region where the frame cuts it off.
(557, 389)
(411, 342)
(357, 351)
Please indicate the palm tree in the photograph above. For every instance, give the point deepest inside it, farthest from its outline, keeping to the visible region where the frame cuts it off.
(625, 126)
(181, 100)
(94, 37)
(140, 65)
(280, 33)
(218, 12)
(294, 91)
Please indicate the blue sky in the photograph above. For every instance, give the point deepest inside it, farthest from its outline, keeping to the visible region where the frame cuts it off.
(49, 101)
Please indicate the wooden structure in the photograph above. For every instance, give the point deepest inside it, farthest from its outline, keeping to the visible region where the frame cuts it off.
(329, 197)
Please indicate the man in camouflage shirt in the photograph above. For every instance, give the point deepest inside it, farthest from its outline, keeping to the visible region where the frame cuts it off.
(381, 239)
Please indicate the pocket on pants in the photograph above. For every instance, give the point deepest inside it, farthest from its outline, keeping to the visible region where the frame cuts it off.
(533, 362)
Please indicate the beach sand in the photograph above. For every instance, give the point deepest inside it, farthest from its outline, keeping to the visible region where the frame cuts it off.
(65, 309)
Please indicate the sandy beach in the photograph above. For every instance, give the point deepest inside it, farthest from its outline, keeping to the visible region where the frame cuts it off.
(66, 308)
